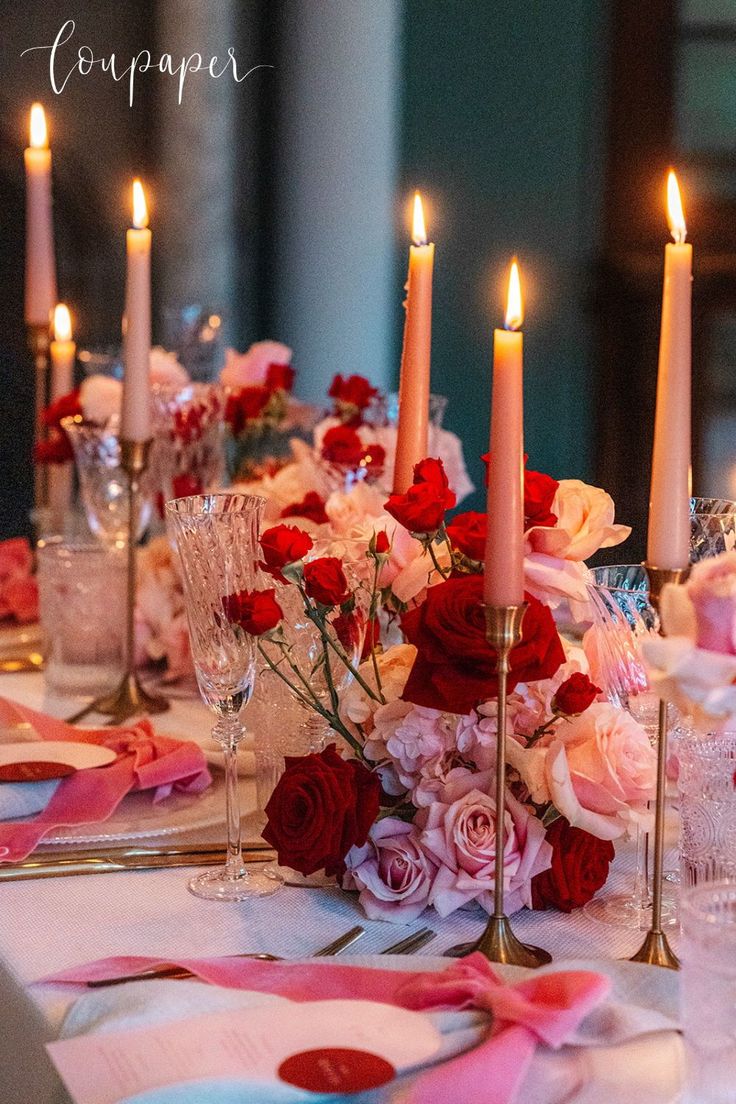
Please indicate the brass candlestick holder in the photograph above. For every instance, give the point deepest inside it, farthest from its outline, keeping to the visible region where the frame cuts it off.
(129, 699)
(656, 950)
(498, 942)
(38, 343)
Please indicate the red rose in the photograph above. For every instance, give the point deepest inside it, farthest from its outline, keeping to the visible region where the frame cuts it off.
(467, 533)
(282, 545)
(575, 695)
(342, 445)
(325, 582)
(66, 406)
(312, 506)
(579, 868)
(348, 628)
(352, 395)
(255, 611)
(422, 509)
(322, 806)
(56, 449)
(245, 405)
(280, 377)
(431, 470)
(381, 543)
(455, 666)
(539, 494)
(373, 458)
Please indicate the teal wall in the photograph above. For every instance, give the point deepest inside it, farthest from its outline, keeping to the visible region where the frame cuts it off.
(503, 128)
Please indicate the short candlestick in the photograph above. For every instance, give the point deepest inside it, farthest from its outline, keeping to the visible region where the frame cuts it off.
(656, 950)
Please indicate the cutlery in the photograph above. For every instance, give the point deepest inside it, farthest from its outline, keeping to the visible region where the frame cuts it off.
(412, 943)
(178, 973)
(459, 950)
(60, 863)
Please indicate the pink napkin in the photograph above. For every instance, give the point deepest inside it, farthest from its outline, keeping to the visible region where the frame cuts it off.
(144, 761)
(542, 1009)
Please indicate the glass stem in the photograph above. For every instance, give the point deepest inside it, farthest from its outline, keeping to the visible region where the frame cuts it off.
(229, 732)
(642, 896)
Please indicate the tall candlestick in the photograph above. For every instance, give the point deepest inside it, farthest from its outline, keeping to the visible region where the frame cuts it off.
(40, 277)
(136, 416)
(668, 544)
(504, 561)
(411, 437)
(63, 355)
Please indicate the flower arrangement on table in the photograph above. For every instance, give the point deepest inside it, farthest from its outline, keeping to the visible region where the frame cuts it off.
(399, 808)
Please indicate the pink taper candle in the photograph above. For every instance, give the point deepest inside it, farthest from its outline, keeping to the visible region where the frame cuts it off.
(40, 277)
(504, 564)
(668, 543)
(136, 417)
(411, 438)
(63, 355)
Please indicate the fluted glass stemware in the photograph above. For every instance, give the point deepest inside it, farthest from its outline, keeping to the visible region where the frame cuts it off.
(217, 540)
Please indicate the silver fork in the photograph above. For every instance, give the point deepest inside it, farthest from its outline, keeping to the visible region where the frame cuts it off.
(178, 973)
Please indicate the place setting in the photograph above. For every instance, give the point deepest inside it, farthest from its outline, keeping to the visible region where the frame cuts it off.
(367, 587)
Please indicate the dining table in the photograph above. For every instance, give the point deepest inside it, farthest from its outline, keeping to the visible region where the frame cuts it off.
(51, 924)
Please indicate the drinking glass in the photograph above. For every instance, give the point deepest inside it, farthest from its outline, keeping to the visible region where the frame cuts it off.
(712, 527)
(217, 540)
(103, 484)
(622, 617)
(82, 595)
(707, 763)
(189, 451)
(194, 333)
(708, 991)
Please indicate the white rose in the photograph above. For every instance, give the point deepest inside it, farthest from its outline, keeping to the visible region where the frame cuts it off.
(101, 398)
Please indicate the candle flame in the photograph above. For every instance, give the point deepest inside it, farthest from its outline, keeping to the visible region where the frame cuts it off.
(140, 210)
(675, 215)
(39, 131)
(62, 323)
(419, 230)
(514, 307)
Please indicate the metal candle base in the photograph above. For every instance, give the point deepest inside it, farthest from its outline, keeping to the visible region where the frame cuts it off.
(655, 950)
(38, 343)
(498, 942)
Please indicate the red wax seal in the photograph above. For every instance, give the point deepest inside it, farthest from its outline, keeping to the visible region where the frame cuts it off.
(336, 1070)
(34, 771)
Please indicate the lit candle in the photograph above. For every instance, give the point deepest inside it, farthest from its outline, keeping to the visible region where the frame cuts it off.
(411, 437)
(136, 417)
(40, 279)
(63, 353)
(668, 544)
(504, 563)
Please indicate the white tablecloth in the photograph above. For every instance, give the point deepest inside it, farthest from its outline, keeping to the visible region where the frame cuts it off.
(51, 924)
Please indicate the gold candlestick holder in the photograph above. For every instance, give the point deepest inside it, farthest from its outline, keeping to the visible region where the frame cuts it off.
(38, 342)
(498, 942)
(129, 699)
(656, 950)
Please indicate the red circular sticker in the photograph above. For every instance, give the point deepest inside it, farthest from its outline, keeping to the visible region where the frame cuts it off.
(336, 1070)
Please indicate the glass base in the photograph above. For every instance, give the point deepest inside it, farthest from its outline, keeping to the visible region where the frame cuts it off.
(626, 912)
(218, 885)
(318, 880)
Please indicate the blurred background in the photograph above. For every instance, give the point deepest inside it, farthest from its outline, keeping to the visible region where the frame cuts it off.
(282, 203)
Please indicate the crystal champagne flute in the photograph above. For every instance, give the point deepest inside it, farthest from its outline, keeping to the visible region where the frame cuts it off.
(217, 540)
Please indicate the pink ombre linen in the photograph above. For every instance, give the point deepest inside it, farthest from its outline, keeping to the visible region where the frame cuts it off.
(543, 1009)
(144, 761)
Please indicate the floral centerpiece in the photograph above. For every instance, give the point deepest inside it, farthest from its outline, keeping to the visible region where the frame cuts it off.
(400, 806)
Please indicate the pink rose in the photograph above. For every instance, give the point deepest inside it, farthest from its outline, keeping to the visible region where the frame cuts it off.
(459, 833)
(164, 369)
(251, 368)
(711, 589)
(392, 871)
(584, 523)
(421, 736)
(601, 770)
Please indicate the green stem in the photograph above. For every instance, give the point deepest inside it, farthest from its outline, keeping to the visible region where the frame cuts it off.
(317, 620)
(438, 567)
